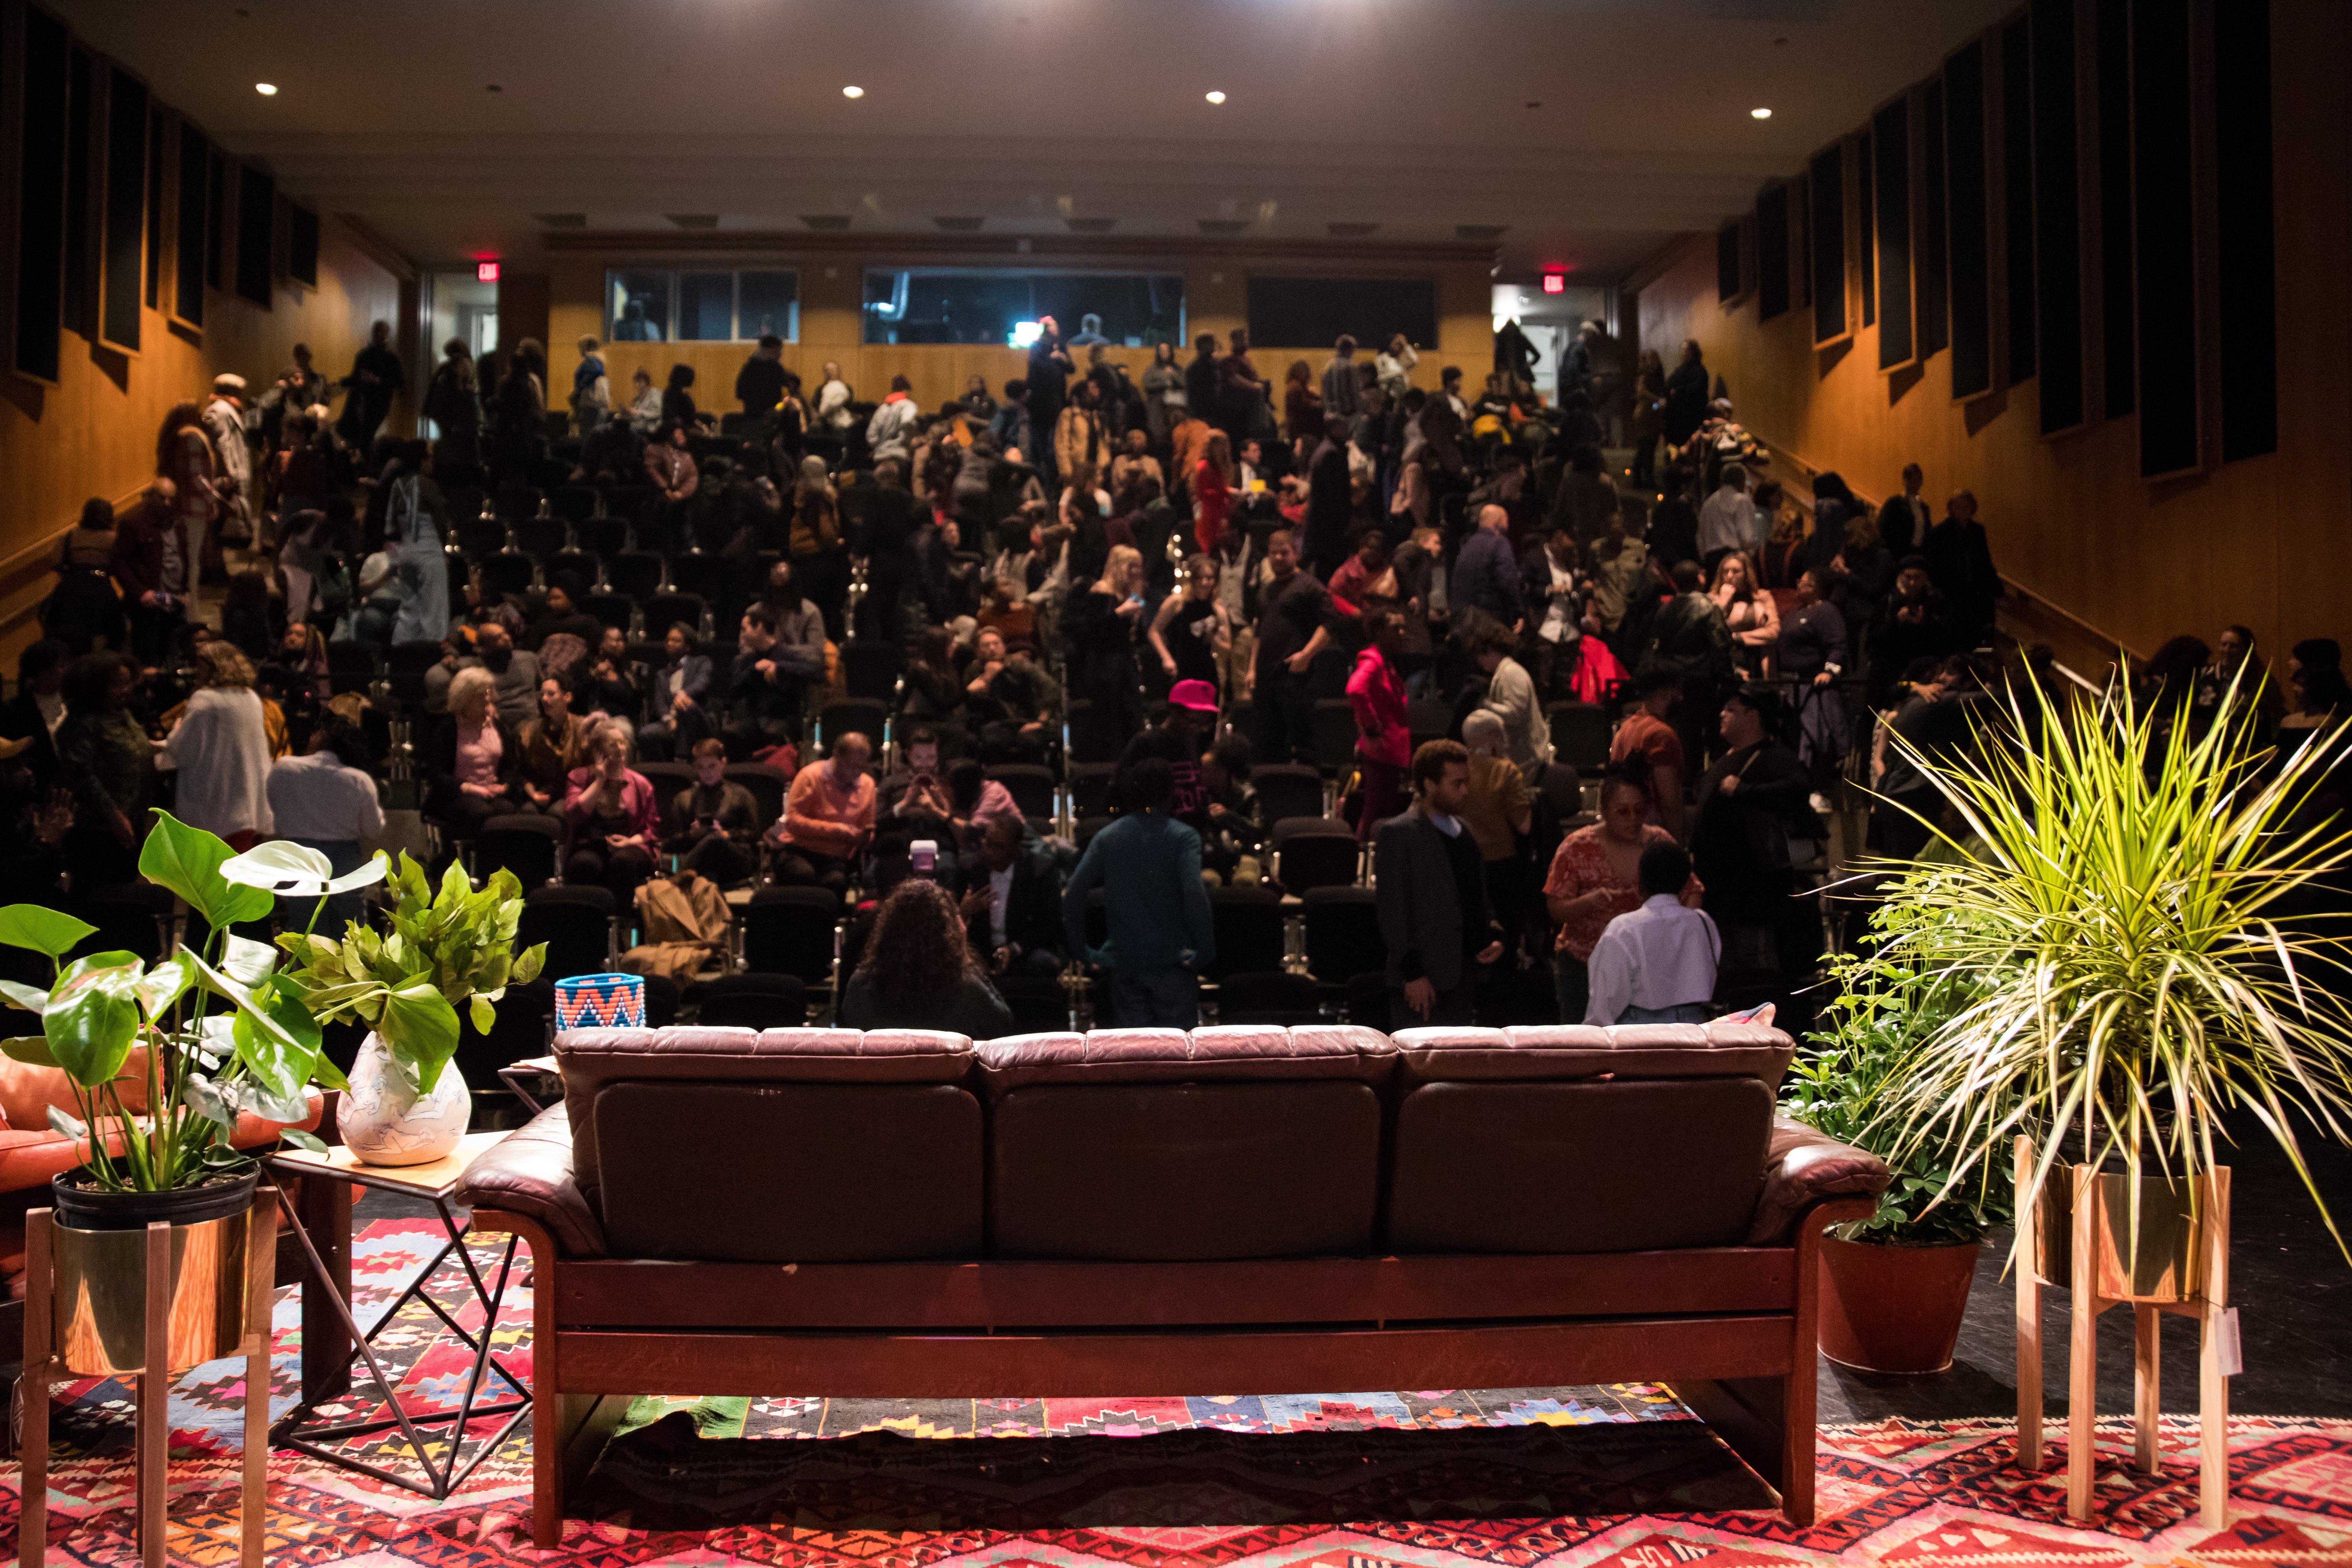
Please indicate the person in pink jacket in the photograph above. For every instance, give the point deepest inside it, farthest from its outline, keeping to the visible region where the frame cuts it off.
(1384, 738)
(611, 819)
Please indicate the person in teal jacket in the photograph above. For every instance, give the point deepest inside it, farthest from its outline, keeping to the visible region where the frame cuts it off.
(1160, 935)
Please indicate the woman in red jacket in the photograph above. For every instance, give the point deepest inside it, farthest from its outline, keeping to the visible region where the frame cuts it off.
(1213, 490)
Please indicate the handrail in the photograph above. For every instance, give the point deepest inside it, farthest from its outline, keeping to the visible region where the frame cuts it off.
(1807, 469)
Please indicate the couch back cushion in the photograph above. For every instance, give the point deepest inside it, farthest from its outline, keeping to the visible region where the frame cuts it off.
(1159, 1145)
(1564, 1140)
(1252, 1053)
(1553, 1052)
(782, 1145)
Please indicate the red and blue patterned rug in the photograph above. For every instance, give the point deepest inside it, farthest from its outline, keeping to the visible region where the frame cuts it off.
(1429, 1479)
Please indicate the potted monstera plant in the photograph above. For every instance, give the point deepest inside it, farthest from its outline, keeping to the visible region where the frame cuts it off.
(2126, 930)
(1895, 1287)
(448, 949)
(160, 1061)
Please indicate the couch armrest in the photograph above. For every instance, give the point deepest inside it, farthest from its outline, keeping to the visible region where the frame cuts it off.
(529, 1173)
(1801, 1168)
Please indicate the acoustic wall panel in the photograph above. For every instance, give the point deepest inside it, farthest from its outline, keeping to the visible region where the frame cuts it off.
(1772, 252)
(1890, 142)
(155, 155)
(81, 194)
(41, 198)
(1826, 178)
(302, 245)
(1968, 218)
(216, 247)
(125, 250)
(2057, 220)
(2118, 378)
(2165, 238)
(2246, 288)
(257, 230)
(1935, 303)
(2017, 196)
(193, 231)
(1865, 221)
(1728, 282)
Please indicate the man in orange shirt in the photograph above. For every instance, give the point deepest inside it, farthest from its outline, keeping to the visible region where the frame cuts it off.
(828, 817)
(1647, 733)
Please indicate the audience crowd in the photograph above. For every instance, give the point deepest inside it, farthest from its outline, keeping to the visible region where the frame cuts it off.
(1586, 735)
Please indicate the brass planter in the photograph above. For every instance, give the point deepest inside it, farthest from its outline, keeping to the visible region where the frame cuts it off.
(2157, 1254)
(100, 1296)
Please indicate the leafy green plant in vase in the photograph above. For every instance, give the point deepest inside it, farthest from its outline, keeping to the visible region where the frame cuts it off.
(1895, 1287)
(2128, 940)
(448, 949)
(161, 1061)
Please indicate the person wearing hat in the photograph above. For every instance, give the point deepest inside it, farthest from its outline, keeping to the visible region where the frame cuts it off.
(224, 419)
(1192, 711)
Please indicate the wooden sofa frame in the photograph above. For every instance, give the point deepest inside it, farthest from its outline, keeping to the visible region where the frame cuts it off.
(1730, 1330)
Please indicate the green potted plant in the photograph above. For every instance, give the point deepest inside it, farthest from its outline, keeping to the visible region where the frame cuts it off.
(448, 949)
(160, 1060)
(2126, 968)
(1895, 1287)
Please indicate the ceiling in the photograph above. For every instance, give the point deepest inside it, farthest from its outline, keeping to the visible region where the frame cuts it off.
(1588, 132)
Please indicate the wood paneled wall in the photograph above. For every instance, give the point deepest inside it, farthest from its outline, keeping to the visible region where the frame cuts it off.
(830, 325)
(2267, 541)
(94, 433)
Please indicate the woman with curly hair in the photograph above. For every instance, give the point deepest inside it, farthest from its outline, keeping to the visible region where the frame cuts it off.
(918, 973)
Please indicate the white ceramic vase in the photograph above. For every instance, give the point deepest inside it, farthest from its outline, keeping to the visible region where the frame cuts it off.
(378, 1132)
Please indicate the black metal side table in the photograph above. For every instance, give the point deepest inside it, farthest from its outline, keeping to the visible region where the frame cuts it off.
(333, 1340)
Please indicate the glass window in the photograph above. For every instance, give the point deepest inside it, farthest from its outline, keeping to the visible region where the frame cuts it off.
(978, 306)
(706, 307)
(654, 306)
(638, 305)
(1304, 312)
(768, 303)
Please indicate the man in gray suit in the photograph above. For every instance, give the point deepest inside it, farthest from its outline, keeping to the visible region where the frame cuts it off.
(1431, 880)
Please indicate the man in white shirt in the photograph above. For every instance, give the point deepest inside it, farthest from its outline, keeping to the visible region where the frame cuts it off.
(326, 800)
(1726, 520)
(1656, 964)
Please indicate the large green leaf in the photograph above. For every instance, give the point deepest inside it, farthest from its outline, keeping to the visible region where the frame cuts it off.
(420, 1028)
(42, 928)
(24, 996)
(188, 861)
(165, 984)
(279, 1058)
(93, 1016)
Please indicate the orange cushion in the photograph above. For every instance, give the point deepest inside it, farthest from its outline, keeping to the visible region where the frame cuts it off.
(27, 1092)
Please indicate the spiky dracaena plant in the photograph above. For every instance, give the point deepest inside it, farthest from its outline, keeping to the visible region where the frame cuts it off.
(2122, 925)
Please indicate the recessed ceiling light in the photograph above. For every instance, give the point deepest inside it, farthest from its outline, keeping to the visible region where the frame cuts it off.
(1762, 113)
(852, 92)
(265, 88)
(1216, 98)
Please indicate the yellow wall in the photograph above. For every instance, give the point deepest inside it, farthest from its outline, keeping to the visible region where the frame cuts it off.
(2267, 541)
(830, 286)
(94, 433)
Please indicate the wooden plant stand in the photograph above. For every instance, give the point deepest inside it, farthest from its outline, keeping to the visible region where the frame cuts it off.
(2083, 1366)
(43, 1368)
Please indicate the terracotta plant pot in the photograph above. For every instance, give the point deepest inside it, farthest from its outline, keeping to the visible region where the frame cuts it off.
(1893, 1309)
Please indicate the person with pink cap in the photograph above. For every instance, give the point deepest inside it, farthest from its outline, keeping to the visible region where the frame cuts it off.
(1177, 740)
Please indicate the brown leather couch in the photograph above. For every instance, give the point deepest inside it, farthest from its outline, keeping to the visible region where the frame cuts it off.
(900, 1213)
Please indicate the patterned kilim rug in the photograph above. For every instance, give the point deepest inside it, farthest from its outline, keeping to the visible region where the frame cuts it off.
(1617, 1475)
